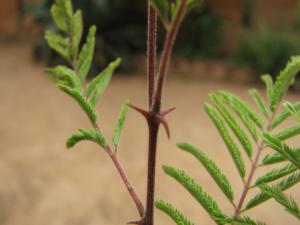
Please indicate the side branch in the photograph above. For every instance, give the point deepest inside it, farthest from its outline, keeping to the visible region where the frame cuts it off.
(166, 54)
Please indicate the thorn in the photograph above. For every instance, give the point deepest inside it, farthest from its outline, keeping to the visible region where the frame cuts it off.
(164, 122)
(141, 111)
(166, 112)
(140, 222)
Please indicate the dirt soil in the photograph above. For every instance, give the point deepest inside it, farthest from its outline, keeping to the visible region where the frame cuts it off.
(42, 183)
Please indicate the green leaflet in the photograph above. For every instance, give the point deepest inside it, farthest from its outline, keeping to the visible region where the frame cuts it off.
(245, 107)
(277, 157)
(59, 17)
(76, 32)
(276, 174)
(281, 148)
(284, 80)
(237, 130)
(82, 101)
(288, 132)
(120, 123)
(283, 115)
(287, 201)
(248, 122)
(91, 135)
(233, 149)
(196, 191)
(175, 214)
(211, 167)
(59, 44)
(85, 58)
(259, 102)
(283, 185)
(267, 79)
(65, 76)
(96, 87)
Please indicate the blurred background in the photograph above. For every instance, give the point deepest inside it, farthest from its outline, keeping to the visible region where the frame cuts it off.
(222, 45)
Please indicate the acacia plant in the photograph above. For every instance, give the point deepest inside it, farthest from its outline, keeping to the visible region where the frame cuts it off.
(71, 79)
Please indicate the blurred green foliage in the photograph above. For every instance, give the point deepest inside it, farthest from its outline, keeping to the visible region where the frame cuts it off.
(201, 34)
(122, 30)
(266, 51)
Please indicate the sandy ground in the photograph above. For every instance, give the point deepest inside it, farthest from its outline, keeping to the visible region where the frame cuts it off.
(42, 183)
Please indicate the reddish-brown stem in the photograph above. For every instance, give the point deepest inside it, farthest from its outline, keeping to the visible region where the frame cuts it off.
(124, 178)
(249, 180)
(153, 125)
(129, 187)
(166, 54)
(151, 51)
(252, 171)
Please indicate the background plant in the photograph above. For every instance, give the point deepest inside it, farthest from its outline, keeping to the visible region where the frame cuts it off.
(266, 51)
(228, 112)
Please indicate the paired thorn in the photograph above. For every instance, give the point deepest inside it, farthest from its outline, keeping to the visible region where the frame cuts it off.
(159, 116)
(141, 111)
(166, 112)
(165, 124)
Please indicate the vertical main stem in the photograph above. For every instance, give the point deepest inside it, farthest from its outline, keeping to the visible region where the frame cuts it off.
(151, 51)
(153, 132)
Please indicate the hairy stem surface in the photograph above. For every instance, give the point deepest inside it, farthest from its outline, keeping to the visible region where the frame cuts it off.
(151, 51)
